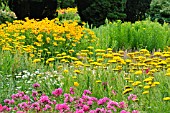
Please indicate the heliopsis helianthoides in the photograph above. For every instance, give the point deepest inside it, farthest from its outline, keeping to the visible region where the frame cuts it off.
(98, 81)
(36, 60)
(146, 87)
(136, 83)
(167, 74)
(127, 89)
(138, 72)
(65, 71)
(166, 98)
(50, 60)
(145, 92)
(77, 71)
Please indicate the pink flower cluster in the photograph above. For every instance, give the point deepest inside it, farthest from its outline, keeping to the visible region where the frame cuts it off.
(21, 103)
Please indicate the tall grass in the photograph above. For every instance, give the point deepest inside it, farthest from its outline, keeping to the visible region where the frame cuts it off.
(141, 34)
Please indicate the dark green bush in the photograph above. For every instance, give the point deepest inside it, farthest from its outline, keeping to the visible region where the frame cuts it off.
(160, 11)
(96, 11)
(136, 9)
(38, 9)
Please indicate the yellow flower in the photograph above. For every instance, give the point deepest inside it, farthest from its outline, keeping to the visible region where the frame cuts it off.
(166, 98)
(74, 77)
(136, 83)
(76, 84)
(36, 60)
(77, 71)
(146, 87)
(138, 72)
(65, 71)
(98, 81)
(145, 92)
(167, 74)
(127, 91)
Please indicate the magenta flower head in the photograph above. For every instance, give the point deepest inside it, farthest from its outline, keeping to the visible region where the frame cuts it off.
(36, 85)
(44, 99)
(34, 93)
(57, 92)
(71, 90)
(132, 97)
(87, 92)
(86, 108)
(1, 107)
(79, 111)
(122, 105)
(62, 107)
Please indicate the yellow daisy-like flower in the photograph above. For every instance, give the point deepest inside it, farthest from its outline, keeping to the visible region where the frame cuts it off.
(166, 98)
(146, 87)
(98, 81)
(136, 83)
(138, 72)
(77, 71)
(36, 60)
(145, 92)
(167, 74)
(76, 84)
(127, 91)
(65, 71)
(74, 77)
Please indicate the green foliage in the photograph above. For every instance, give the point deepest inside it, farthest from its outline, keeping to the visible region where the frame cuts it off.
(141, 34)
(96, 11)
(160, 11)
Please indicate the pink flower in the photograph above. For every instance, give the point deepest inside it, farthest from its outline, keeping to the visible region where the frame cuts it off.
(62, 107)
(86, 108)
(102, 101)
(1, 107)
(132, 96)
(34, 93)
(57, 92)
(36, 85)
(47, 107)
(114, 92)
(87, 92)
(89, 102)
(79, 111)
(7, 101)
(122, 105)
(44, 99)
(71, 90)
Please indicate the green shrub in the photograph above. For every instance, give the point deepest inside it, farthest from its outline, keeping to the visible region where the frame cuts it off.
(141, 34)
(96, 11)
(160, 11)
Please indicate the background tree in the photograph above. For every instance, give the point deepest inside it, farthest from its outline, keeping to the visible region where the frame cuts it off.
(160, 11)
(136, 9)
(38, 9)
(96, 11)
